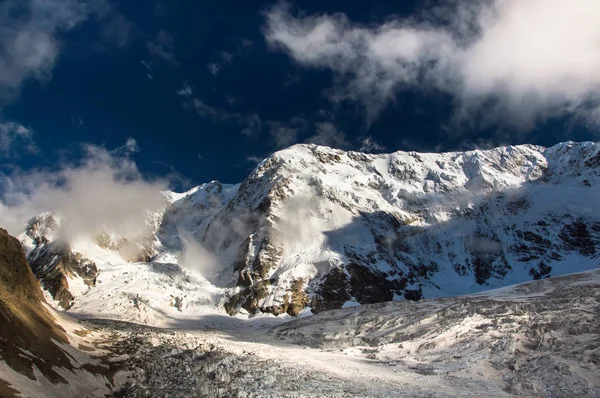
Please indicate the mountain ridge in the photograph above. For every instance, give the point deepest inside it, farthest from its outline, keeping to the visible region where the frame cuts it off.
(316, 228)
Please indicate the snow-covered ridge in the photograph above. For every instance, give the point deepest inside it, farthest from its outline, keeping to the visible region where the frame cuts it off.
(318, 228)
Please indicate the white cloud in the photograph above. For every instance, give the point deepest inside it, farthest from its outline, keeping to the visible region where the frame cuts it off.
(327, 134)
(251, 124)
(226, 57)
(512, 62)
(15, 139)
(104, 189)
(130, 146)
(367, 144)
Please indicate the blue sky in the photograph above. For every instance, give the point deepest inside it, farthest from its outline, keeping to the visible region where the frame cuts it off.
(202, 90)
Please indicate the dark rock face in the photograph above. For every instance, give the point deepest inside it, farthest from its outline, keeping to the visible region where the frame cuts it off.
(26, 325)
(333, 291)
(53, 263)
(577, 236)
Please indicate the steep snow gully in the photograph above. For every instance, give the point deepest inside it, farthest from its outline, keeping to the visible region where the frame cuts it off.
(332, 273)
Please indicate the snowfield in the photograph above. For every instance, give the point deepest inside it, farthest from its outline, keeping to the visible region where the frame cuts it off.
(535, 339)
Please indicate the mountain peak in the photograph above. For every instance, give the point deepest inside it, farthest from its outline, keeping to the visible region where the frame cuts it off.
(314, 227)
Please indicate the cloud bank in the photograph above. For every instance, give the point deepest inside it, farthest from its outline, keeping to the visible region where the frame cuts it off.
(509, 62)
(102, 191)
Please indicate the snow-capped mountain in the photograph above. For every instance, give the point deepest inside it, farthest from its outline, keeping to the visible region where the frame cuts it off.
(319, 228)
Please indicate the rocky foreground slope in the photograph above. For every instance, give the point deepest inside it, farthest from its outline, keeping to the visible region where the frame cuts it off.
(535, 339)
(314, 228)
(37, 357)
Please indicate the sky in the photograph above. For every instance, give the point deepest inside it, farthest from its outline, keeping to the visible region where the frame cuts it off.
(181, 92)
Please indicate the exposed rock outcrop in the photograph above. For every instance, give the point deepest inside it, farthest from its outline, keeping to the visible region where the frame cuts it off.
(53, 261)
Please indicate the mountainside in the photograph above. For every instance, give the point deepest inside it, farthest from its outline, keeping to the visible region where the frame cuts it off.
(332, 228)
(318, 228)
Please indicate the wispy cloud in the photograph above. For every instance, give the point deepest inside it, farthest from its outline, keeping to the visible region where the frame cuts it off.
(116, 29)
(148, 66)
(250, 123)
(29, 44)
(326, 133)
(30, 36)
(16, 140)
(226, 57)
(291, 79)
(286, 134)
(367, 144)
(186, 90)
(254, 159)
(77, 121)
(505, 62)
(162, 46)
(130, 147)
(214, 68)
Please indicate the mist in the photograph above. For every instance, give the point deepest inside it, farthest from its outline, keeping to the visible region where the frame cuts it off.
(104, 191)
(195, 257)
